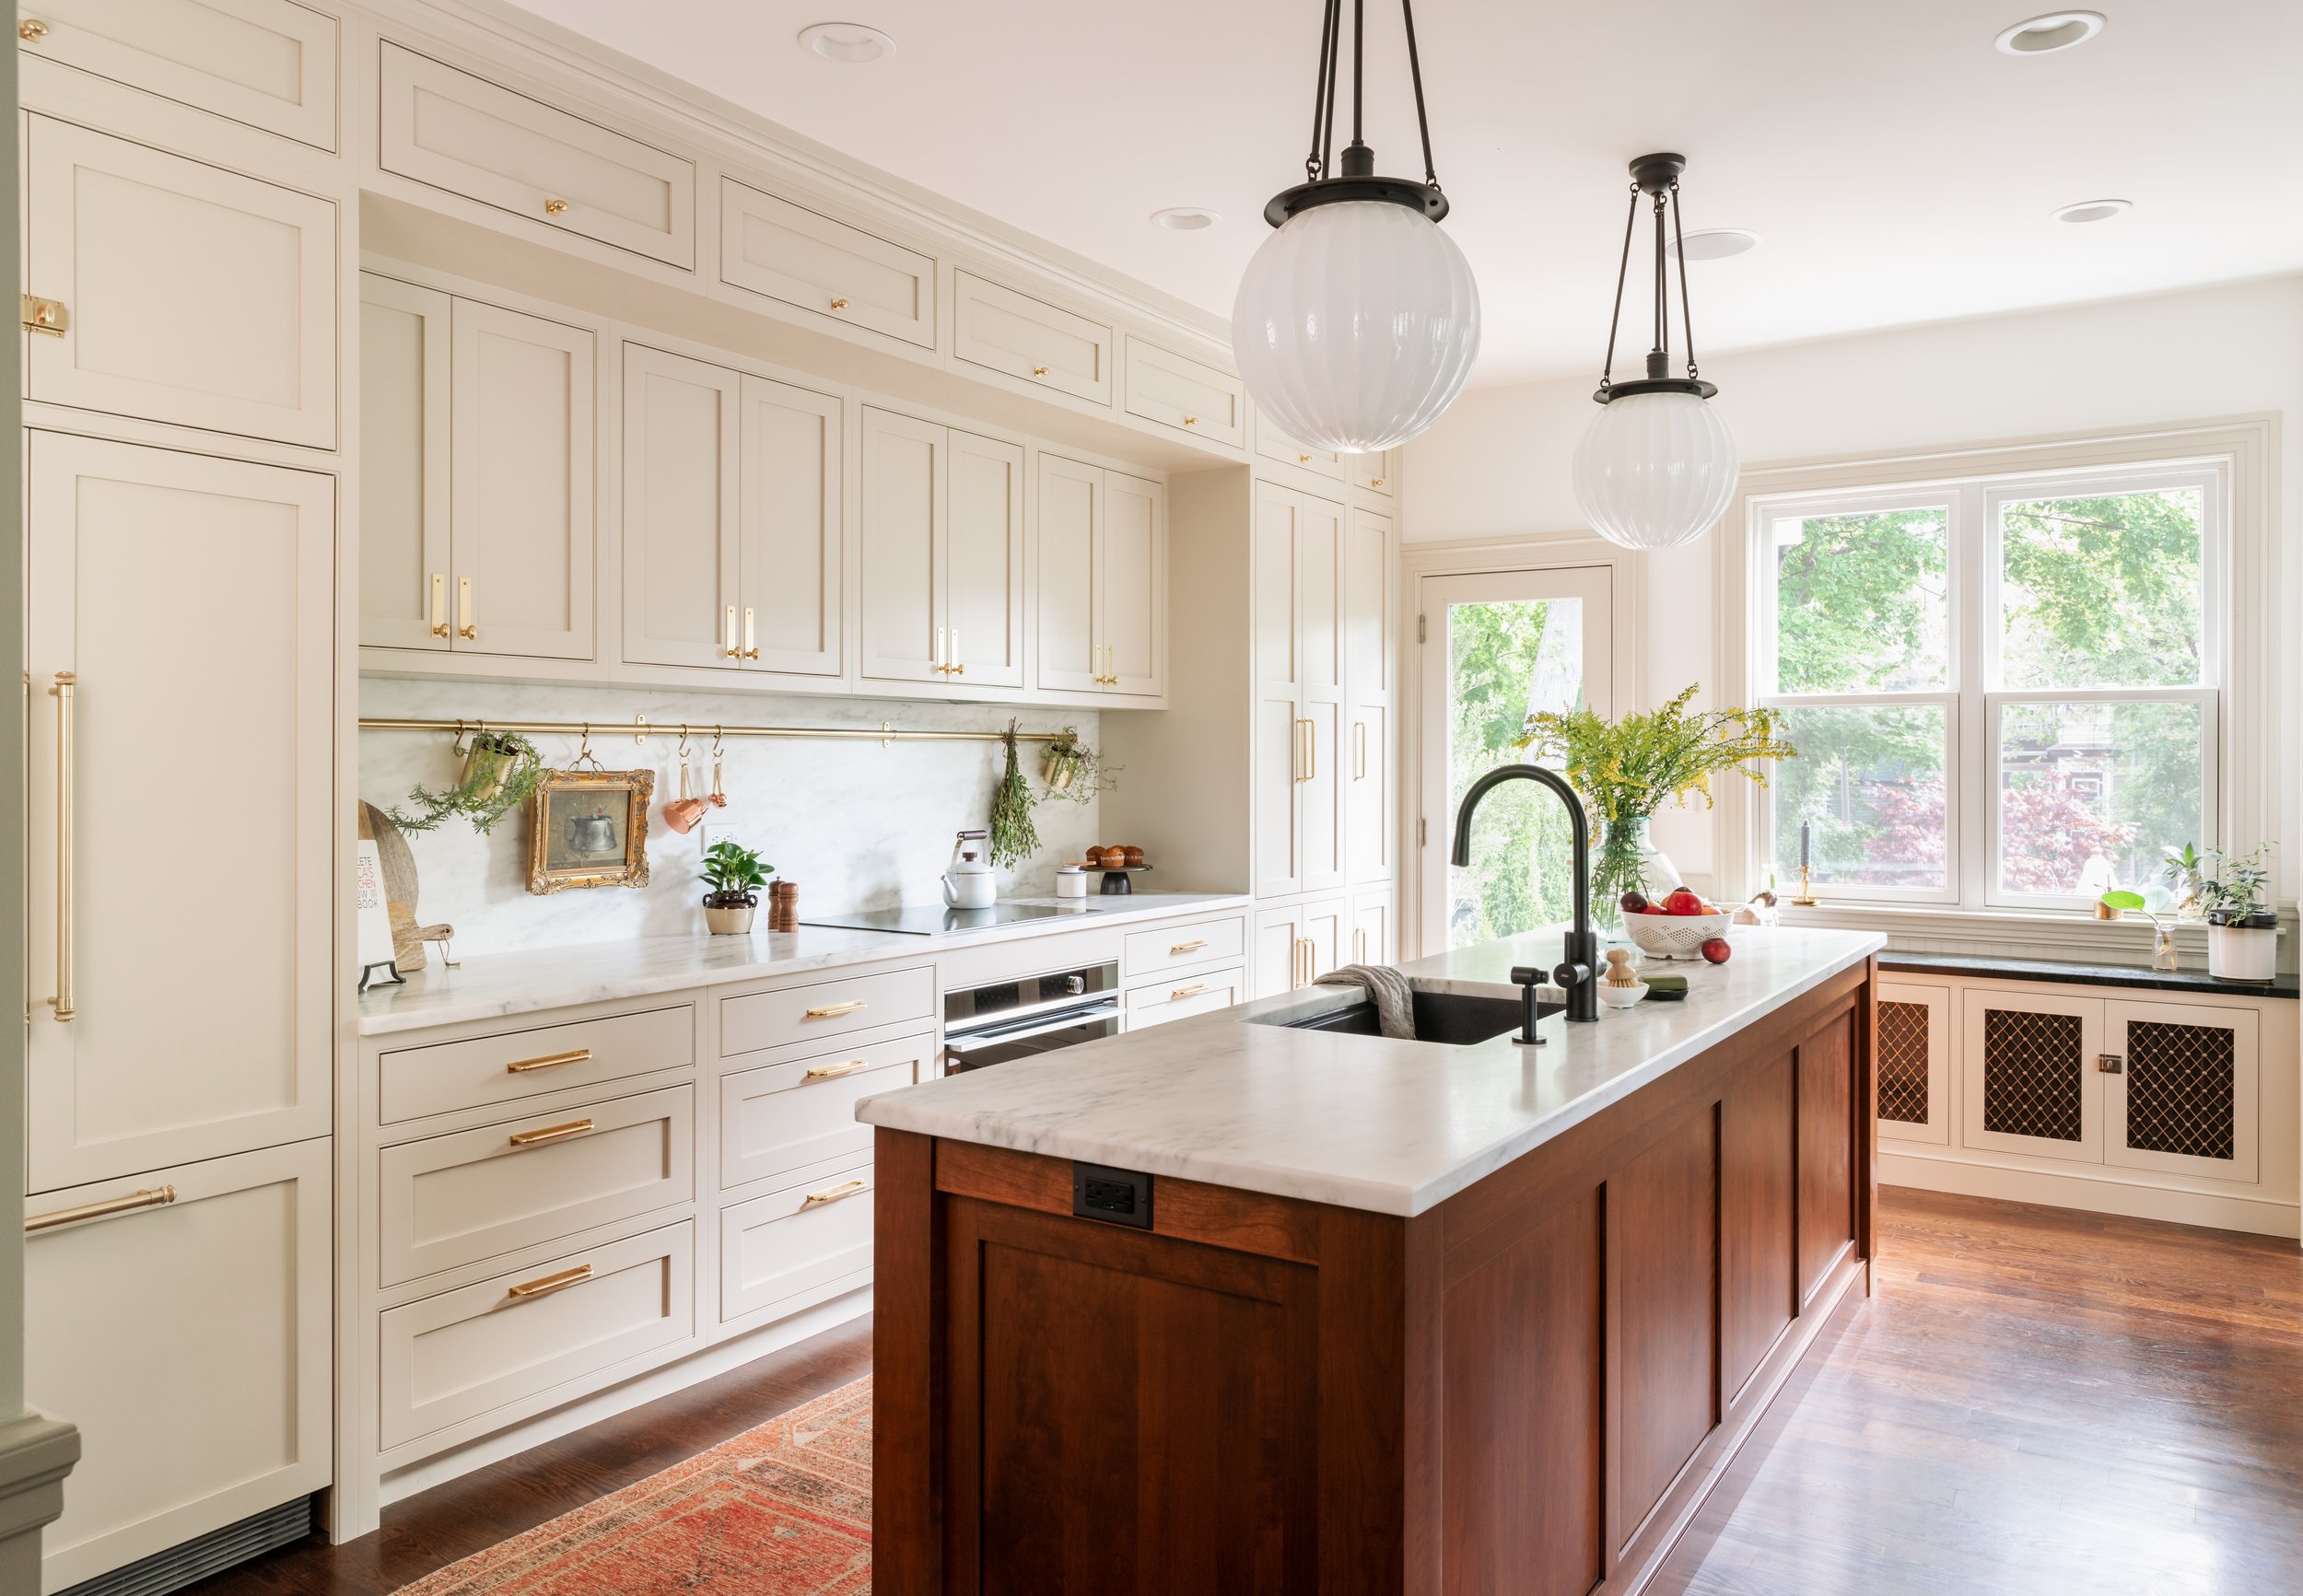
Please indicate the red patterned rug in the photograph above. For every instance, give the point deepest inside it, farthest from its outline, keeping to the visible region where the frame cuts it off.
(784, 1509)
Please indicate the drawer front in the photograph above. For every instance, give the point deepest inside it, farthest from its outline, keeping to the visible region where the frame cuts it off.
(1178, 391)
(270, 63)
(1185, 996)
(1015, 333)
(789, 252)
(1273, 444)
(776, 1248)
(448, 1075)
(453, 1357)
(1181, 947)
(1375, 473)
(462, 133)
(457, 1199)
(760, 1019)
(789, 1117)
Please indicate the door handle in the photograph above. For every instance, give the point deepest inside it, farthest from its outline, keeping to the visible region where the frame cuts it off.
(1359, 752)
(1359, 945)
(45, 316)
(1311, 750)
(439, 605)
(153, 1197)
(943, 666)
(2111, 1063)
(959, 666)
(750, 641)
(727, 633)
(66, 681)
(465, 629)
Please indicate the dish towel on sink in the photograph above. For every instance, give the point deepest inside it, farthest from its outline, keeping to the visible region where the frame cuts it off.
(1393, 998)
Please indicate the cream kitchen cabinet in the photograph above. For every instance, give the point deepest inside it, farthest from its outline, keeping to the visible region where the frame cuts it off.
(1272, 444)
(141, 561)
(182, 293)
(1375, 939)
(1915, 1029)
(1298, 943)
(1375, 473)
(1030, 340)
(731, 520)
(1178, 391)
(1296, 644)
(477, 489)
(788, 252)
(942, 573)
(270, 63)
(181, 1319)
(1101, 589)
(1371, 670)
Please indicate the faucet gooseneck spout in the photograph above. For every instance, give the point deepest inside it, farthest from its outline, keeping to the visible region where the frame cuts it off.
(1578, 974)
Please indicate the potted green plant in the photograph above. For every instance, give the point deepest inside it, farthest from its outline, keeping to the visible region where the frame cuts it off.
(1074, 772)
(500, 770)
(2162, 939)
(2232, 893)
(735, 875)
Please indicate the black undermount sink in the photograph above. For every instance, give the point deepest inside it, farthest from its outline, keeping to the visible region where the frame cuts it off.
(1447, 1017)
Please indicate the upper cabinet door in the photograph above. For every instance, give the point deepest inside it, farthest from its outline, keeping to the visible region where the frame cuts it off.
(790, 530)
(469, 136)
(681, 457)
(1277, 730)
(1322, 823)
(1367, 606)
(404, 464)
(1133, 579)
(984, 570)
(1071, 514)
(791, 253)
(154, 577)
(1373, 471)
(521, 425)
(1003, 331)
(1366, 754)
(1184, 394)
(191, 294)
(901, 575)
(270, 63)
(1274, 445)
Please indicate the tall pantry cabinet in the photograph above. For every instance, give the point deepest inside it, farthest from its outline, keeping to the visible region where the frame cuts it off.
(185, 256)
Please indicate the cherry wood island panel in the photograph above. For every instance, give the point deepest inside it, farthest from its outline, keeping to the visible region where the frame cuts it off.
(1529, 1388)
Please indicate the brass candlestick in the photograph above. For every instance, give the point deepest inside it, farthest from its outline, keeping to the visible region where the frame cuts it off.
(1805, 897)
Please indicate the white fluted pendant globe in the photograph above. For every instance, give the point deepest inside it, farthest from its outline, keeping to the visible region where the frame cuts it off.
(1656, 469)
(1356, 325)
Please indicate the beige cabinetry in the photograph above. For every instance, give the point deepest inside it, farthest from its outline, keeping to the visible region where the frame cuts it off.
(807, 259)
(1374, 939)
(1188, 395)
(270, 63)
(942, 571)
(404, 335)
(1367, 748)
(732, 520)
(794, 1247)
(1101, 593)
(793, 1120)
(142, 250)
(468, 136)
(139, 561)
(1915, 1027)
(1375, 473)
(1298, 943)
(1272, 444)
(179, 1319)
(1000, 330)
(1296, 645)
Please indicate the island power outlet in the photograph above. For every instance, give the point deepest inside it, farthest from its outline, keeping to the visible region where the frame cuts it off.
(1116, 1196)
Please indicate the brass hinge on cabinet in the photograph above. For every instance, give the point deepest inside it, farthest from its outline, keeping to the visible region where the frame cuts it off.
(43, 315)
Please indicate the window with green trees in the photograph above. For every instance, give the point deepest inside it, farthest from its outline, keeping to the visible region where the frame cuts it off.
(2001, 693)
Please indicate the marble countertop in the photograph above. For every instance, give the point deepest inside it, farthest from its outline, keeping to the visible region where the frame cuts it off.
(492, 986)
(1364, 1122)
(2133, 978)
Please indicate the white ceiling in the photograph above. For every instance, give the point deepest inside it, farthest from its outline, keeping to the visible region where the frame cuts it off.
(1899, 168)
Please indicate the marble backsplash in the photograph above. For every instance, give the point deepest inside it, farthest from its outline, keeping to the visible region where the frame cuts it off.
(853, 825)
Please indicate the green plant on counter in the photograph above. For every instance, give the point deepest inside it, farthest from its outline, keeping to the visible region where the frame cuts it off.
(735, 874)
(1013, 836)
(1073, 771)
(500, 770)
(2213, 885)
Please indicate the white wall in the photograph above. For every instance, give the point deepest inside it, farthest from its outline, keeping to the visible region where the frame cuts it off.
(853, 825)
(1498, 464)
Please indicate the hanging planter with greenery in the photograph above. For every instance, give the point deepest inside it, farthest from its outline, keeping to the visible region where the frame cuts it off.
(500, 770)
(1074, 772)
(1013, 836)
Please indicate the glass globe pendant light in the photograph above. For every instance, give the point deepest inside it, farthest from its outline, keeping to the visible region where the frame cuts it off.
(1656, 467)
(1357, 320)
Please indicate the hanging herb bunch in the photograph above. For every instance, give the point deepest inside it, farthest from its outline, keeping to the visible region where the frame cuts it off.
(1074, 772)
(1013, 837)
(501, 769)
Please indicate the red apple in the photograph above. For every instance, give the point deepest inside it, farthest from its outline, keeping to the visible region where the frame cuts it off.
(1683, 902)
(1635, 902)
(1717, 950)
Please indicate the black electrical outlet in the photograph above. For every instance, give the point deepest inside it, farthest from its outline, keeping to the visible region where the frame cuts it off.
(1118, 1197)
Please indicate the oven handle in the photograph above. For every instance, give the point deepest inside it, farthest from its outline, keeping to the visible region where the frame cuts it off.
(1063, 1021)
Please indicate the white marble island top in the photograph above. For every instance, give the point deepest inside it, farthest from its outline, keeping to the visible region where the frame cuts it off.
(492, 986)
(1364, 1122)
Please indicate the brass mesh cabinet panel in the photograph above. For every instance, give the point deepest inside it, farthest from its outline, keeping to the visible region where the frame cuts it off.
(2180, 1096)
(2034, 1074)
(1903, 1058)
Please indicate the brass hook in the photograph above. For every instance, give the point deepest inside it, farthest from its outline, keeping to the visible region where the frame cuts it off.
(683, 743)
(457, 748)
(719, 735)
(584, 756)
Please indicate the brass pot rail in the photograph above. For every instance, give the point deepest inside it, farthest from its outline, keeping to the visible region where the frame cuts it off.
(885, 734)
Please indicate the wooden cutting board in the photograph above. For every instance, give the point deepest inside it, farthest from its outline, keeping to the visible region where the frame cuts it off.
(408, 939)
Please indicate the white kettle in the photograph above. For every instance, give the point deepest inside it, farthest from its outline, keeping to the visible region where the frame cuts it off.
(969, 883)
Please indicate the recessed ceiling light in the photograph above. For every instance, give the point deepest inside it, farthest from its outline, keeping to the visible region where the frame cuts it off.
(2056, 30)
(1716, 243)
(2095, 210)
(850, 44)
(1185, 218)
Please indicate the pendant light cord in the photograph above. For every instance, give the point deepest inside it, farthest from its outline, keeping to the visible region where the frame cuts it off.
(1320, 163)
(1415, 75)
(1324, 94)
(1662, 291)
(1622, 270)
(1359, 62)
(1686, 306)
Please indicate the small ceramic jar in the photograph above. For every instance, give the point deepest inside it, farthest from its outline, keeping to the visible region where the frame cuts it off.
(1071, 881)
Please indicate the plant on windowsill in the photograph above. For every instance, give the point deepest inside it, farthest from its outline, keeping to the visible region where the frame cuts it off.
(2163, 938)
(734, 874)
(2232, 893)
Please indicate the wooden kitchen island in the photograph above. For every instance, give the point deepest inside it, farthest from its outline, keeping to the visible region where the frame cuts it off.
(1406, 1318)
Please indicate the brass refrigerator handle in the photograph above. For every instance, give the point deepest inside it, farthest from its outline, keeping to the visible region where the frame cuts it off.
(61, 691)
(1359, 752)
(153, 1197)
(1311, 750)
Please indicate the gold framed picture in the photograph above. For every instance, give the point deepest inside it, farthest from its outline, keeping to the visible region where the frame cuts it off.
(589, 828)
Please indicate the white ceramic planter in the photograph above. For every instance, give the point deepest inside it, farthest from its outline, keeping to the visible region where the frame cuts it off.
(2236, 953)
(734, 922)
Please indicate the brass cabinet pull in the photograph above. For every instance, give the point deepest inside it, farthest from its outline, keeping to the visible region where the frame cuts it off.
(549, 1061)
(153, 1197)
(728, 635)
(439, 605)
(1311, 750)
(1039, 370)
(551, 1134)
(1359, 945)
(40, 315)
(31, 30)
(941, 666)
(464, 627)
(833, 1010)
(834, 1071)
(1359, 753)
(751, 640)
(61, 691)
(543, 1285)
(834, 1193)
(839, 304)
(958, 667)
(1191, 946)
(555, 207)
(1188, 991)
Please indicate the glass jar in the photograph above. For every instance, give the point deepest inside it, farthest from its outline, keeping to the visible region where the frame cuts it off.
(1626, 860)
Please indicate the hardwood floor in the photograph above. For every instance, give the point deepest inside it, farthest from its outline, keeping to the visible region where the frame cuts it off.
(2032, 1402)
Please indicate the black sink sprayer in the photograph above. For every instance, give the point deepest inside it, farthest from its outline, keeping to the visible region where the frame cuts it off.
(1578, 973)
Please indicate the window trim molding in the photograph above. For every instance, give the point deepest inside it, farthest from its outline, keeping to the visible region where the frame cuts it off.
(2245, 796)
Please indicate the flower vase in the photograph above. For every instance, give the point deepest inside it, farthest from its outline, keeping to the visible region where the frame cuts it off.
(1627, 860)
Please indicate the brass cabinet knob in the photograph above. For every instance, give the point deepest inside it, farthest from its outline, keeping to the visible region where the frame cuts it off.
(1302, 459)
(1039, 370)
(1375, 482)
(554, 207)
(1192, 421)
(839, 304)
(31, 30)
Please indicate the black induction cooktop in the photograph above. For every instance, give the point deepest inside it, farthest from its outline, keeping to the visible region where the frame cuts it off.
(932, 920)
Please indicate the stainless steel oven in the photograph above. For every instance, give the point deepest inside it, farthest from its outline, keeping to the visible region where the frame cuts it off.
(1004, 1020)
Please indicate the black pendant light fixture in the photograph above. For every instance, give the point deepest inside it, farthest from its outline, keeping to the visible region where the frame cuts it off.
(1656, 467)
(1358, 320)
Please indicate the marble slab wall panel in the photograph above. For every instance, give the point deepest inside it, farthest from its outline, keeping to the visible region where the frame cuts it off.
(855, 824)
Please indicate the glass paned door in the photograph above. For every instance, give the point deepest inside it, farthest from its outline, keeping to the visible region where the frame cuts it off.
(1498, 644)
